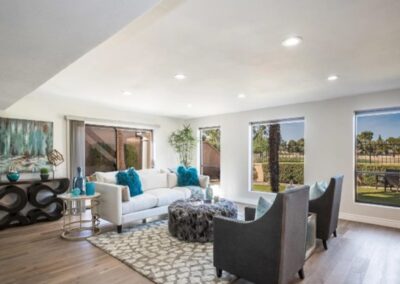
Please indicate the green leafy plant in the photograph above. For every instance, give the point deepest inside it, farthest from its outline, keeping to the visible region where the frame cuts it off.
(44, 171)
(184, 143)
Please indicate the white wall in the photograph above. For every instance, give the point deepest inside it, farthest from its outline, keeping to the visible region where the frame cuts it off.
(328, 148)
(55, 109)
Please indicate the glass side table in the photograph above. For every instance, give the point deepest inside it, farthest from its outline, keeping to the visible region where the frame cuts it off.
(74, 223)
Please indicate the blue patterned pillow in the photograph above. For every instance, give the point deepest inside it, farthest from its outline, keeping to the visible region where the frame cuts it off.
(131, 179)
(187, 176)
(263, 206)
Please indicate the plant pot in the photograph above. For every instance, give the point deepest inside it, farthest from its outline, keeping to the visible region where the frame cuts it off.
(44, 177)
(13, 177)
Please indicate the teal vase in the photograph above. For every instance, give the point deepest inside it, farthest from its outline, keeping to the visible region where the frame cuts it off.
(209, 193)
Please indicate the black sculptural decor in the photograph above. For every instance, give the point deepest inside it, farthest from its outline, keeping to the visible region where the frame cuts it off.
(35, 201)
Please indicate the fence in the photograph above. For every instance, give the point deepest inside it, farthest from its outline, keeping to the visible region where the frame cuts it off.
(378, 153)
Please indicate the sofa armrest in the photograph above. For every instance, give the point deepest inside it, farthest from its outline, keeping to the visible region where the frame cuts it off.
(204, 181)
(110, 207)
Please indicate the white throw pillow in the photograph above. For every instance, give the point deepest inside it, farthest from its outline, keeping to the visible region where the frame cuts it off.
(318, 189)
(152, 181)
(172, 180)
(107, 177)
(263, 206)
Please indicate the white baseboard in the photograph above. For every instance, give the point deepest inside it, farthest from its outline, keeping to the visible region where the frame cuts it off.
(370, 220)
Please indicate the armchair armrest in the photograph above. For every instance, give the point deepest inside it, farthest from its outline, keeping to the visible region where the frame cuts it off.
(249, 213)
(204, 181)
(110, 207)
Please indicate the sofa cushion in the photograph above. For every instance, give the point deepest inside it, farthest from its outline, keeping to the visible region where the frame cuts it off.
(186, 191)
(148, 172)
(139, 203)
(106, 177)
(165, 196)
(172, 180)
(153, 181)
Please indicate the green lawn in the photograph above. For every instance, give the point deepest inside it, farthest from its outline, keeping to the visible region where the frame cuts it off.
(378, 196)
(267, 188)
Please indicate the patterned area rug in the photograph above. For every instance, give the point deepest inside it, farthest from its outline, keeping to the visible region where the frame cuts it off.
(150, 250)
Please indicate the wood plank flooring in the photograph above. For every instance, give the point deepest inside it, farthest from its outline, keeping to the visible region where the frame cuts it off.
(36, 254)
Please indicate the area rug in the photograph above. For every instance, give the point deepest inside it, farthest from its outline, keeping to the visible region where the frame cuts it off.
(150, 250)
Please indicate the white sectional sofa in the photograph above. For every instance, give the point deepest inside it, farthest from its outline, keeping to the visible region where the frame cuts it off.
(160, 189)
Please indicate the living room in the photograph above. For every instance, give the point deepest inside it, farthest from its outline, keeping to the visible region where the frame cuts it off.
(217, 109)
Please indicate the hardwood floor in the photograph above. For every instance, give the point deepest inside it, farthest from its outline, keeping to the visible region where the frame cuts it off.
(36, 254)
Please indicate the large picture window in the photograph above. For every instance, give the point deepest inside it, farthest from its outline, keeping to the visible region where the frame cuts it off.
(277, 154)
(111, 148)
(377, 157)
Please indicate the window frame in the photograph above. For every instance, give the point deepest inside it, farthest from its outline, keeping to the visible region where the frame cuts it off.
(356, 114)
(250, 149)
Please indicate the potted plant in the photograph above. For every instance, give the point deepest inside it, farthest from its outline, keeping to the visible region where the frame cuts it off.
(13, 174)
(184, 143)
(44, 174)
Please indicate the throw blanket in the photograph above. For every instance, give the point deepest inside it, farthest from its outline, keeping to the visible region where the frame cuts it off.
(197, 192)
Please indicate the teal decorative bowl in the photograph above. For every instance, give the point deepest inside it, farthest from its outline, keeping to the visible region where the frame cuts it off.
(13, 177)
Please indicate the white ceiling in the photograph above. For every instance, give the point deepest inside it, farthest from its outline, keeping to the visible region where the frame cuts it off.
(39, 38)
(228, 47)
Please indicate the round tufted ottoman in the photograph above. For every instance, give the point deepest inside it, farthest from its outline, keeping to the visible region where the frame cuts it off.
(191, 220)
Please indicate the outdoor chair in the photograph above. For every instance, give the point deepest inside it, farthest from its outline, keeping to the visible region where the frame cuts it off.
(327, 209)
(270, 249)
(392, 179)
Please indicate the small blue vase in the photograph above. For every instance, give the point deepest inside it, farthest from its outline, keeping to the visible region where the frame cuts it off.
(209, 193)
(78, 181)
(13, 177)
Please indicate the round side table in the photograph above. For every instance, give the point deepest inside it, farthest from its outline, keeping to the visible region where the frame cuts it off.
(76, 206)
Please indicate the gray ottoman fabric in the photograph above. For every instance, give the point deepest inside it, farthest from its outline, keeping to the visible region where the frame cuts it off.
(192, 220)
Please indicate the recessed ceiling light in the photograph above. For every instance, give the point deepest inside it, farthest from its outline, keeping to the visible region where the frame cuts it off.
(180, 77)
(126, 93)
(241, 96)
(292, 41)
(333, 78)
(189, 105)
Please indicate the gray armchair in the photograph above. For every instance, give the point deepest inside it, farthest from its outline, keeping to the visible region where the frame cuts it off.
(327, 209)
(270, 249)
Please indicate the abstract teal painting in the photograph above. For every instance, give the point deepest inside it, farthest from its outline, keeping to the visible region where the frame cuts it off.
(24, 144)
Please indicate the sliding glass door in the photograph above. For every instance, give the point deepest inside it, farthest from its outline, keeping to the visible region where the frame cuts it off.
(210, 154)
(111, 148)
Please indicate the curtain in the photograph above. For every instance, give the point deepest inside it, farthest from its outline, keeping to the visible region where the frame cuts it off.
(76, 146)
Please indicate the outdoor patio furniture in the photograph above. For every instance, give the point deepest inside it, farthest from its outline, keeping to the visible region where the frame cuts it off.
(392, 179)
(270, 249)
(327, 209)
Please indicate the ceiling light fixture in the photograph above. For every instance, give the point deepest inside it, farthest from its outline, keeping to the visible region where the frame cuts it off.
(292, 41)
(241, 96)
(126, 93)
(333, 78)
(189, 105)
(180, 77)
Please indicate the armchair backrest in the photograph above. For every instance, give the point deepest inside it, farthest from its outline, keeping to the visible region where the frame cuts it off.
(284, 229)
(327, 208)
(294, 231)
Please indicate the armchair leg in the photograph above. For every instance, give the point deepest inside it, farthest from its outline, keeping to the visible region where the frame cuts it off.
(119, 229)
(325, 245)
(335, 234)
(219, 272)
(144, 221)
(301, 273)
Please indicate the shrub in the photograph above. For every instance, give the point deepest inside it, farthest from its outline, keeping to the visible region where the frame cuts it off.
(288, 172)
(369, 179)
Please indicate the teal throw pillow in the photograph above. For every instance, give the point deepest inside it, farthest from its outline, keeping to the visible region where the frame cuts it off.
(187, 176)
(263, 206)
(318, 189)
(131, 179)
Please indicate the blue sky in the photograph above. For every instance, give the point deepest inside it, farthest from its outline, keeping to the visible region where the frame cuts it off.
(292, 131)
(387, 125)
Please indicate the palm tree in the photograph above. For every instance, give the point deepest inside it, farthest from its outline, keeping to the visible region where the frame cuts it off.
(274, 143)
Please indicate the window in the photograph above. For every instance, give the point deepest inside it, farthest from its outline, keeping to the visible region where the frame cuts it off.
(377, 157)
(210, 153)
(277, 154)
(111, 148)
